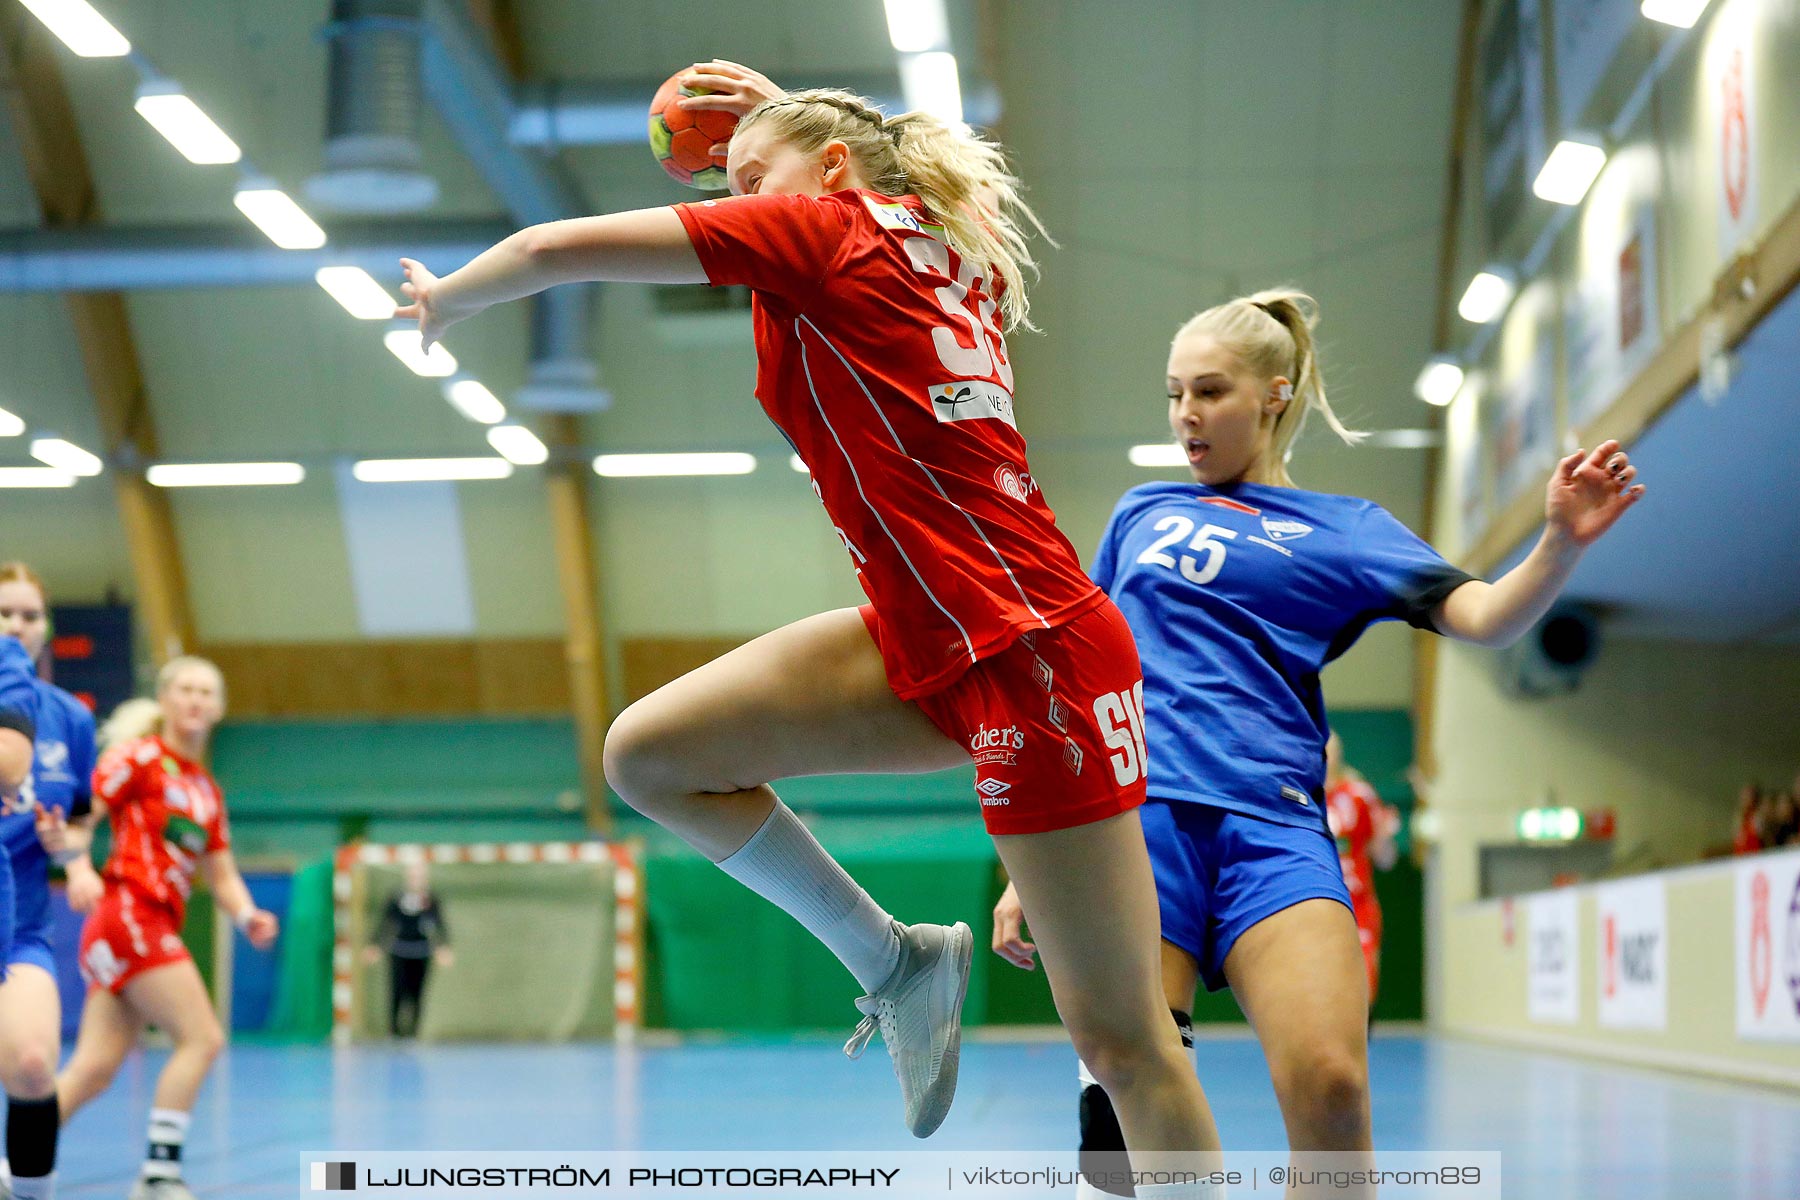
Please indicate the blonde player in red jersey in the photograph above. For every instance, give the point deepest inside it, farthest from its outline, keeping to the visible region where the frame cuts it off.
(168, 820)
(880, 294)
(1364, 828)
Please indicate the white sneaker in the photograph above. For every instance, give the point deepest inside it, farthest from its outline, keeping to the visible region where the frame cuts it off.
(160, 1189)
(919, 1013)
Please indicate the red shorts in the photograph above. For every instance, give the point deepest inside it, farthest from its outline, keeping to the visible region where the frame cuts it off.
(125, 936)
(1055, 724)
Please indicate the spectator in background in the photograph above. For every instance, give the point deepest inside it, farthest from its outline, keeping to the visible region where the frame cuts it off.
(1781, 824)
(1748, 839)
(412, 933)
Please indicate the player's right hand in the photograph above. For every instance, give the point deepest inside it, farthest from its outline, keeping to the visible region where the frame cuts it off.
(429, 308)
(733, 88)
(1009, 931)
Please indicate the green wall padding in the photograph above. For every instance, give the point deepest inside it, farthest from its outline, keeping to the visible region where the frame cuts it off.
(302, 1003)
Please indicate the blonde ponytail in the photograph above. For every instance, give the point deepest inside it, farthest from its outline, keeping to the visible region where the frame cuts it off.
(133, 719)
(961, 177)
(1272, 333)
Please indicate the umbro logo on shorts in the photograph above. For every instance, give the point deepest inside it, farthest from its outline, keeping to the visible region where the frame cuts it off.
(993, 793)
(1072, 756)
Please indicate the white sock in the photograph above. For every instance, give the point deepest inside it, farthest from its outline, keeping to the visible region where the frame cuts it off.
(785, 865)
(168, 1132)
(41, 1188)
(1181, 1191)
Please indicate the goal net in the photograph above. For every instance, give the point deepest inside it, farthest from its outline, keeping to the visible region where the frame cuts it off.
(546, 938)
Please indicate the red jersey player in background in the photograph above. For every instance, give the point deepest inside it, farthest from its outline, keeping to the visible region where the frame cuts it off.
(886, 255)
(168, 820)
(1365, 829)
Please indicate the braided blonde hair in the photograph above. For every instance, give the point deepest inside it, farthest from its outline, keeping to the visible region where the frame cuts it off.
(961, 177)
(1271, 332)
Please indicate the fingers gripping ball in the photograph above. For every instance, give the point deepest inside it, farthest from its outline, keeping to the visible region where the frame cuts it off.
(682, 139)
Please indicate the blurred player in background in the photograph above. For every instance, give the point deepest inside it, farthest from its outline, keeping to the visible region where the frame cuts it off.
(1365, 829)
(33, 834)
(886, 255)
(413, 935)
(1240, 587)
(168, 821)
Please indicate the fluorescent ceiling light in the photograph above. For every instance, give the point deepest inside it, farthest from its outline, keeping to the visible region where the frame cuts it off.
(1680, 13)
(35, 477)
(356, 290)
(472, 399)
(915, 25)
(1569, 172)
(1485, 298)
(1158, 454)
(639, 465)
(428, 470)
(81, 29)
(65, 456)
(186, 127)
(799, 464)
(518, 445)
(404, 345)
(10, 426)
(274, 212)
(264, 474)
(1439, 382)
(930, 82)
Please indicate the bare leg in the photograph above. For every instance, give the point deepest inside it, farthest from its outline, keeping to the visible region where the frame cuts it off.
(108, 1031)
(174, 999)
(1093, 913)
(1312, 1023)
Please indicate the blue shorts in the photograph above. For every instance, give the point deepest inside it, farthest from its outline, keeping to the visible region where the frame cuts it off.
(1219, 872)
(34, 950)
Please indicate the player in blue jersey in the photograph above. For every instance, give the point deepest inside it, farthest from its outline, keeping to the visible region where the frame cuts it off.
(33, 833)
(18, 725)
(1239, 588)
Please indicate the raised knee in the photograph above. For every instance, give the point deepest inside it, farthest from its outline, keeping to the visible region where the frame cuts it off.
(630, 757)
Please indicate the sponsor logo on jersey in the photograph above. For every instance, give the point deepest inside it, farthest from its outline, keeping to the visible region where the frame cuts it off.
(1262, 541)
(181, 833)
(997, 745)
(1014, 482)
(993, 793)
(52, 759)
(900, 217)
(1285, 531)
(1296, 795)
(971, 400)
(1233, 505)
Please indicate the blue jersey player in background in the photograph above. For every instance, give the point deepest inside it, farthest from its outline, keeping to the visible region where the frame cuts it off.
(33, 829)
(1239, 587)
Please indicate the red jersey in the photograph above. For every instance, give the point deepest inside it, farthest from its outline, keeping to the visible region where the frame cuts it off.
(1353, 809)
(166, 812)
(880, 357)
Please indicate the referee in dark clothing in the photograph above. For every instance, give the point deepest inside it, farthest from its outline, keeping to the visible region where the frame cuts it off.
(412, 933)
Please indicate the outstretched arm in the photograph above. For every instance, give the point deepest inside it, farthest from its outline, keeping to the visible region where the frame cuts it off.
(1587, 494)
(649, 245)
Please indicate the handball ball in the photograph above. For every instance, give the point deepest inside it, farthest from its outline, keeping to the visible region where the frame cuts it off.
(682, 139)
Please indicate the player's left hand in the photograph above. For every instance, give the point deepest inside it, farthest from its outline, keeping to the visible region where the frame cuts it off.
(1009, 931)
(52, 830)
(85, 889)
(732, 88)
(262, 928)
(429, 307)
(1589, 492)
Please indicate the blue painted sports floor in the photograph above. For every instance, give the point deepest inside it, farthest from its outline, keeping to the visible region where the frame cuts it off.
(1568, 1128)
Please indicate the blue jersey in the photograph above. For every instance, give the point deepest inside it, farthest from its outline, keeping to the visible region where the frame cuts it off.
(62, 773)
(1238, 597)
(18, 696)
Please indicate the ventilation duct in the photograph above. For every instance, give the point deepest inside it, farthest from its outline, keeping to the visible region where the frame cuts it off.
(373, 162)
